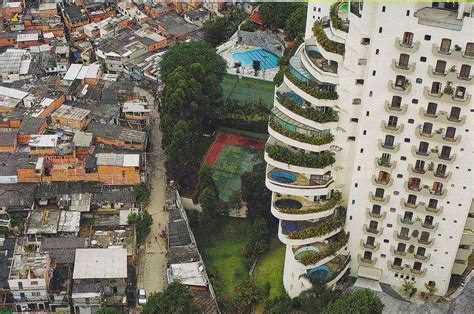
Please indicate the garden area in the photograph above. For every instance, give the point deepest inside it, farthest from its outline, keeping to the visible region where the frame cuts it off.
(225, 264)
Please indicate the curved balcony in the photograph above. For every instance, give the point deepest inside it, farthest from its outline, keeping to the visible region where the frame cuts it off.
(451, 99)
(382, 183)
(297, 208)
(405, 270)
(379, 200)
(319, 67)
(403, 90)
(370, 231)
(331, 50)
(401, 68)
(450, 76)
(307, 95)
(392, 129)
(385, 165)
(390, 149)
(389, 108)
(429, 174)
(436, 136)
(441, 117)
(339, 267)
(319, 253)
(312, 117)
(376, 216)
(457, 55)
(433, 155)
(366, 262)
(339, 20)
(305, 232)
(296, 161)
(287, 182)
(424, 190)
(313, 143)
(421, 207)
(406, 47)
(369, 247)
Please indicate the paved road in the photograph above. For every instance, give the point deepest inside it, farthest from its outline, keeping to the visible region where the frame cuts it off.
(152, 255)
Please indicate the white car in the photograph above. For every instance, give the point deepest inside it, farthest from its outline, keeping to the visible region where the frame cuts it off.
(141, 296)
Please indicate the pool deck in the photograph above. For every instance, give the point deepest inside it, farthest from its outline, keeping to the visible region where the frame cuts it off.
(266, 75)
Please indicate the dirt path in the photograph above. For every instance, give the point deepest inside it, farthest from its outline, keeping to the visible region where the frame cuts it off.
(152, 255)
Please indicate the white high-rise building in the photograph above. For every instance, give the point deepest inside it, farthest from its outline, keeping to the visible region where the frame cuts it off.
(374, 114)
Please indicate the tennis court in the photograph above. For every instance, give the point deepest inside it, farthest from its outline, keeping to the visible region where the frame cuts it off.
(247, 90)
(230, 155)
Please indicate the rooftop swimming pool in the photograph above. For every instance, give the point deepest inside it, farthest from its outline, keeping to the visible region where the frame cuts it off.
(267, 59)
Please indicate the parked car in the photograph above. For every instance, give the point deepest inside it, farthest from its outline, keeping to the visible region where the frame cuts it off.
(141, 296)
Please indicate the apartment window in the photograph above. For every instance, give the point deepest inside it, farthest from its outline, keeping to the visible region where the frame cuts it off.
(351, 138)
(427, 128)
(397, 262)
(435, 88)
(379, 192)
(392, 121)
(469, 50)
(411, 199)
(362, 62)
(370, 240)
(432, 203)
(440, 67)
(465, 72)
(35, 293)
(423, 148)
(414, 101)
(374, 72)
(354, 120)
(365, 41)
(380, 30)
(356, 101)
(389, 141)
(359, 82)
(401, 247)
(445, 152)
(34, 283)
(427, 37)
(407, 39)
(377, 51)
(408, 12)
(422, 59)
(460, 92)
(450, 133)
(376, 209)
(431, 109)
(20, 285)
(455, 113)
(396, 101)
(403, 61)
(445, 45)
(383, 8)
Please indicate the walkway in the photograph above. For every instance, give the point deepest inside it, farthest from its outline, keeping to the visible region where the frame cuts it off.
(152, 255)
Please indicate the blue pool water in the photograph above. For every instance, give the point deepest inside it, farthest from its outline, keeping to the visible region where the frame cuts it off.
(267, 59)
(322, 272)
(283, 177)
(296, 97)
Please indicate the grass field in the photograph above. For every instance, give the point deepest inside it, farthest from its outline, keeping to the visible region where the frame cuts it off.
(248, 90)
(222, 256)
(270, 269)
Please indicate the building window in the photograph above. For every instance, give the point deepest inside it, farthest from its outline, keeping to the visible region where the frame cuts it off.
(427, 37)
(365, 41)
(359, 82)
(380, 30)
(377, 51)
(383, 8)
(422, 59)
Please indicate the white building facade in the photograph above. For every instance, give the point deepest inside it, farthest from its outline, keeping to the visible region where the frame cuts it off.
(374, 114)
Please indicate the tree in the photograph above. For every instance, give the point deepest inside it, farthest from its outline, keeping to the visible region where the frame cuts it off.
(107, 310)
(247, 296)
(296, 23)
(255, 193)
(211, 208)
(358, 301)
(205, 180)
(142, 224)
(176, 298)
(317, 297)
(142, 192)
(408, 286)
(182, 147)
(258, 237)
(275, 14)
(280, 305)
(215, 30)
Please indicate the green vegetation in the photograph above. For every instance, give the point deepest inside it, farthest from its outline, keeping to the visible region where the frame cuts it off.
(256, 194)
(142, 224)
(321, 228)
(245, 133)
(297, 158)
(176, 298)
(290, 16)
(107, 310)
(325, 42)
(310, 139)
(358, 301)
(285, 60)
(220, 29)
(248, 295)
(269, 268)
(311, 90)
(331, 249)
(142, 193)
(334, 201)
(336, 21)
(248, 90)
(309, 112)
(258, 237)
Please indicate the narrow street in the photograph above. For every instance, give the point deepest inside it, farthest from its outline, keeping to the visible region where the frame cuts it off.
(152, 254)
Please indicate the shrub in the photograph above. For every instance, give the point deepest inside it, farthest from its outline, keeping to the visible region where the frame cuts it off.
(336, 21)
(334, 201)
(309, 112)
(313, 91)
(332, 248)
(298, 158)
(320, 228)
(325, 42)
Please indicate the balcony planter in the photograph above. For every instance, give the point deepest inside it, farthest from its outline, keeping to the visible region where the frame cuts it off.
(308, 112)
(300, 159)
(321, 228)
(312, 91)
(331, 250)
(325, 42)
(336, 21)
(334, 201)
(309, 139)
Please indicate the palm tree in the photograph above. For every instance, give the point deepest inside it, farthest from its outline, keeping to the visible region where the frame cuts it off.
(408, 286)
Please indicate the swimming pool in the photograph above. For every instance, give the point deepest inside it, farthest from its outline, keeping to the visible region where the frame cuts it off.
(288, 203)
(322, 272)
(267, 59)
(283, 177)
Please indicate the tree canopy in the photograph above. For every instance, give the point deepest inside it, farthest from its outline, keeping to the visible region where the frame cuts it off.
(220, 29)
(255, 193)
(361, 301)
(176, 298)
(182, 147)
(289, 16)
(107, 310)
(142, 224)
(296, 23)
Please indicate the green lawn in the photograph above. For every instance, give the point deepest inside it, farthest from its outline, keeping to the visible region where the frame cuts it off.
(221, 254)
(270, 269)
(248, 90)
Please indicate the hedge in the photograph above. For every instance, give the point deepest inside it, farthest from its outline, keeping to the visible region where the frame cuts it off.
(298, 158)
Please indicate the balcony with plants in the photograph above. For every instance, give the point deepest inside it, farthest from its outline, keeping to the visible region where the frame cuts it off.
(450, 75)
(439, 135)
(434, 155)
(319, 253)
(314, 231)
(319, 115)
(331, 272)
(312, 88)
(338, 15)
(328, 45)
(385, 164)
(284, 181)
(442, 117)
(457, 53)
(414, 238)
(421, 207)
(448, 94)
(429, 172)
(299, 205)
(407, 45)
(400, 86)
(404, 68)
(326, 67)
(294, 132)
(391, 107)
(298, 158)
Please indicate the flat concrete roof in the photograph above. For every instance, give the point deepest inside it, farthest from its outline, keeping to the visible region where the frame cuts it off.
(100, 263)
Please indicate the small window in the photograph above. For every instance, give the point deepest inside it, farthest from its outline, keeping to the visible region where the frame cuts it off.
(361, 150)
(427, 37)
(419, 80)
(414, 101)
(385, 241)
(360, 82)
(365, 41)
(371, 93)
(407, 140)
(356, 101)
(383, 8)
(403, 158)
(367, 113)
(411, 121)
(377, 51)
(380, 30)
(354, 120)
(374, 72)
(362, 62)
(408, 12)
(365, 132)
(423, 59)
(351, 138)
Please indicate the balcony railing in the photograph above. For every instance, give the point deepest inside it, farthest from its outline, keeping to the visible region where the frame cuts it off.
(403, 88)
(395, 108)
(407, 46)
(367, 261)
(403, 68)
